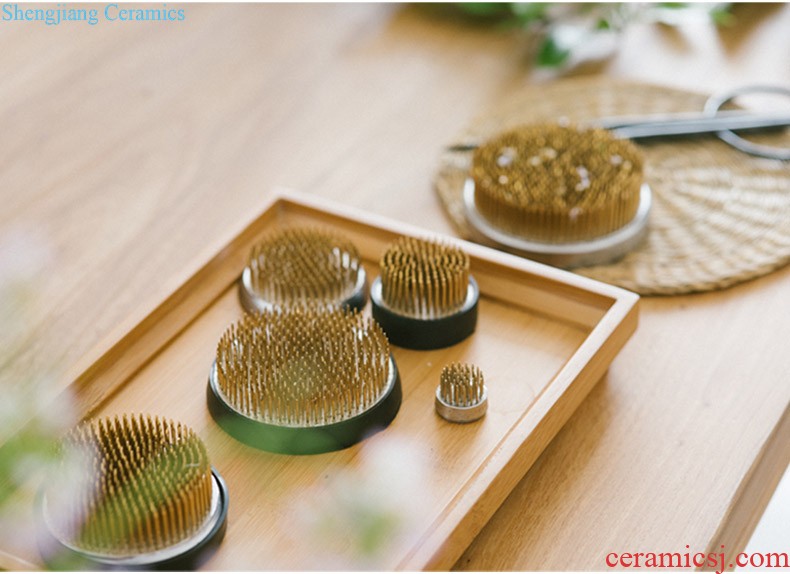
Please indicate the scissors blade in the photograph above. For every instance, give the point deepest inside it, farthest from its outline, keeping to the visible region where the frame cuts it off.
(691, 125)
(682, 124)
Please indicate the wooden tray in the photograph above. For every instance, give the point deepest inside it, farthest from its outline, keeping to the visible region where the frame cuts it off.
(544, 338)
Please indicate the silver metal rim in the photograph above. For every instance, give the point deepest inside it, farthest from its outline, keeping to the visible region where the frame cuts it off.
(596, 251)
(455, 414)
(472, 293)
(252, 303)
(139, 560)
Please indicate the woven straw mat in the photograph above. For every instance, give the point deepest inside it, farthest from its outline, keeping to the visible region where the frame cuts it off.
(719, 216)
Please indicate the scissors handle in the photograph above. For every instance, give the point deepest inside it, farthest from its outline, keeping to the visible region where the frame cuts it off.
(715, 103)
(690, 124)
(722, 122)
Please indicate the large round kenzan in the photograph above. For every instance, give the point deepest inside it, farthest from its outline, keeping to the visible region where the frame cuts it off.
(303, 366)
(557, 184)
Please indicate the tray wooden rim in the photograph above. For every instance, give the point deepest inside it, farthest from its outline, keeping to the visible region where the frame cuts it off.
(609, 313)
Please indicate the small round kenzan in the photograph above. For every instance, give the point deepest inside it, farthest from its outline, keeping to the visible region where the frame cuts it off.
(303, 264)
(461, 396)
(425, 296)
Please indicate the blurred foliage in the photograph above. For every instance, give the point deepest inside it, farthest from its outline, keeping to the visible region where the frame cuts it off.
(574, 32)
(28, 429)
(362, 512)
(25, 451)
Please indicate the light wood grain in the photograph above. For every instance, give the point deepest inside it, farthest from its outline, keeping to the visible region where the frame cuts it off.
(133, 150)
(539, 364)
(682, 431)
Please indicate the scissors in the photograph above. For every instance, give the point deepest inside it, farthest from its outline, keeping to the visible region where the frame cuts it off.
(710, 120)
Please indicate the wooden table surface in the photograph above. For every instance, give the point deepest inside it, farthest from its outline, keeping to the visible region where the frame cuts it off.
(128, 148)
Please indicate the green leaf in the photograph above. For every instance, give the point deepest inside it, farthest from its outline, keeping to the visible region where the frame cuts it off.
(526, 12)
(551, 55)
(722, 16)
